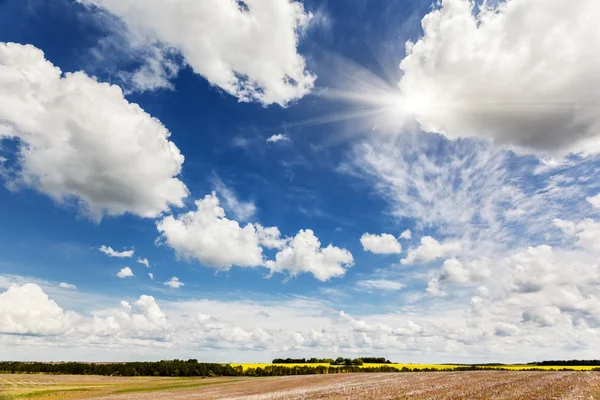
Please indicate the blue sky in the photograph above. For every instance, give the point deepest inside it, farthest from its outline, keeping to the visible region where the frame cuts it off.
(319, 178)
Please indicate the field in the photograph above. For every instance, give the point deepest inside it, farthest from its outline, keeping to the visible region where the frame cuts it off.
(426, 385)
(366, 365)
(439, 367)
(545, 367)
(40, 386)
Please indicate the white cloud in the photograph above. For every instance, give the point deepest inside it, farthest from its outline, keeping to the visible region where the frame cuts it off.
(144, 261)
(296, 325)
(36, 321)
(208, 236)
(66, 285)
(151, 275)
(569, 228)
(156, 72)
(376, 329)
(145, 322)
(430, 250)
(69, 149)
(216, 333)
(498, 323)
(504, 329)
(113, 253)
(277, 138)
(125, 272)
(380, 244)
(587, 233)
(379, 285)
(406, 235)
(270, 237)
(594, 201)
(510, 295)
(174, 283)
(519, 72)
(454, 270)
(241, 210)
(304, 253)
(434, 289)
(528, 290)
(438, 183)
(27, 310)
(247, 50)
(542, 316)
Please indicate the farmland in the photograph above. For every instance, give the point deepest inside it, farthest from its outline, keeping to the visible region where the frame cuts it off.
(365, 365)
(42, 386)
(426, 385)
(439, 367)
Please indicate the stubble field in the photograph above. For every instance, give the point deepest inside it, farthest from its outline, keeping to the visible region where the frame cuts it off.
(423, 385)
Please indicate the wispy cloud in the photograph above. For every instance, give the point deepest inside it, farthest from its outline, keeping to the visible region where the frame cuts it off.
(113, 253)
(379, 284)
(242, 210)
(469, 191)
(65, 285)
(278, 138)
(144, 261)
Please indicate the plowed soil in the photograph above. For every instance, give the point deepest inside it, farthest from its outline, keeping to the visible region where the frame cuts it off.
(364, 386)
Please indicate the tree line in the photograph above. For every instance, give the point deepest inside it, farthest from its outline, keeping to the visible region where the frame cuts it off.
(331, 361)
(175, 368)
(161, 368)
(279, 370)
(580, 363)
(189, 368)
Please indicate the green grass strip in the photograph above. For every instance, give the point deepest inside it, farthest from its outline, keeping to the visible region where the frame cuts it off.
(168, 387)
(41, 393)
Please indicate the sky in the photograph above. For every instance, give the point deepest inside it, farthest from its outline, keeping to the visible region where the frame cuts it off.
(240, 180)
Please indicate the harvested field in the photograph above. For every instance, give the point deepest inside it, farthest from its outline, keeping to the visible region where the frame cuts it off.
(434, 385)
(39, 386)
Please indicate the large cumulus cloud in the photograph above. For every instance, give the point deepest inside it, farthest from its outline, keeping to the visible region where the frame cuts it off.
(79, 138)
(524, 73)
(248, 49)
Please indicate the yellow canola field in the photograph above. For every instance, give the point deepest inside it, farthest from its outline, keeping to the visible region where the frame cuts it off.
(366, 365)
(431, 366)
(247, 366)
(545, 367)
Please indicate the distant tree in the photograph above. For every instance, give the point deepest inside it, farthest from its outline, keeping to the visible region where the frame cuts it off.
(375, 360)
